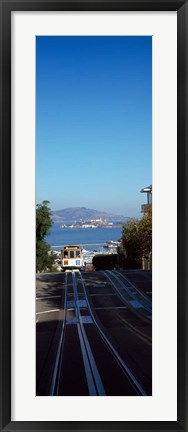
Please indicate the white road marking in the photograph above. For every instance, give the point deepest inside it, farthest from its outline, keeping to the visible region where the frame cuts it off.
(52, 310)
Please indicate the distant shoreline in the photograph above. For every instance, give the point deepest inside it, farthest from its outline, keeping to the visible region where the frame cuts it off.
(92, 227)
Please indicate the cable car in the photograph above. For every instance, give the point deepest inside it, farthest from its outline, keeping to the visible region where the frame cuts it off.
(72, 258)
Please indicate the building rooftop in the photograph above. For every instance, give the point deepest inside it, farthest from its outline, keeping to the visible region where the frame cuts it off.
(147, 189)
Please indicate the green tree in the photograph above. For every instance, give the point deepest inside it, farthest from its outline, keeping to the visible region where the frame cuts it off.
(44, 260)
(137, 237)
(145, 229)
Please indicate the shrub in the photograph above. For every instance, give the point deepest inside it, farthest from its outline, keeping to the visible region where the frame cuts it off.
(105, 262)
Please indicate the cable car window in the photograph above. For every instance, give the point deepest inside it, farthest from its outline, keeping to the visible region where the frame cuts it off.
(65, 254)
(71, 254)
(78, 253)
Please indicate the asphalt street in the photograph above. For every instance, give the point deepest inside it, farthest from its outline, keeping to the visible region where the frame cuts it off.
(94, 333)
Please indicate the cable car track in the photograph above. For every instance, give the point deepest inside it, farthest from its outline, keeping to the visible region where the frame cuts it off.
(130, 335)
(95, 384)
(135, 288)
(137, 306)
(132, 379)
(92, 349)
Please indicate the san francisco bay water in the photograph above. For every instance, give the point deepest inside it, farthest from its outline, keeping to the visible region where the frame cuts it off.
(88, 237)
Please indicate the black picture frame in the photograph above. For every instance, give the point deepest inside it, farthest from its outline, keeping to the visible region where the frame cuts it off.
(6, 7)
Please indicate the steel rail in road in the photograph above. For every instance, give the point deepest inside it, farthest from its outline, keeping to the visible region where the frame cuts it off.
(131, 378)
(145, 297)
(135, 308)
(146, 305)
(56, 372)
(95, 385)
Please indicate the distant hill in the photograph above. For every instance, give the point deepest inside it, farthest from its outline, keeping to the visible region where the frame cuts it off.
(75, 214)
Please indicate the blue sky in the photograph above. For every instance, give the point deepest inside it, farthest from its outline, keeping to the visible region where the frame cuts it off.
(94, 122)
